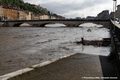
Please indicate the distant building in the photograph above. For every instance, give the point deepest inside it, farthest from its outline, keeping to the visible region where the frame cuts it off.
(112, 15)
(117, 13)
(60, 17)
(90, 17)
(35, 16)
(29, 16)
(53, 17)
(25, 15)
(78, 18)
(22, 15)
(103, 15)
(6, 13)
(10, 14)
(44, 17)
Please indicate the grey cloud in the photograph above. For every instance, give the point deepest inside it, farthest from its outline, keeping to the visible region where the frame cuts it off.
(70, 9)
(64, 8)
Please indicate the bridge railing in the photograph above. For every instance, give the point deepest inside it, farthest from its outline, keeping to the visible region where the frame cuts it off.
(113, 40)
(59, 20)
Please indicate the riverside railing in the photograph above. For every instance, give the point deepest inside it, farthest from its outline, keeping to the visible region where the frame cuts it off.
(115, 45)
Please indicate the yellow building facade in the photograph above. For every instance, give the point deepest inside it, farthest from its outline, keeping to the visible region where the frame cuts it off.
(44, 17)
(10, 14)
(7, 13)
(1, 13)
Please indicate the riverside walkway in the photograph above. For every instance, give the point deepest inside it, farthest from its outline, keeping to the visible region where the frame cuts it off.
(75, 67)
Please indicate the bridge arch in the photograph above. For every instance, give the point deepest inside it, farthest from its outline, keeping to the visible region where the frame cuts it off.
(46, 24)
(22, 25)
(17, 24)
(96, 23)
(55, 25)
(90, 24)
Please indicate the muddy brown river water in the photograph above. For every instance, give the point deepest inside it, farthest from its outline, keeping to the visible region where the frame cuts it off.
(22, 47)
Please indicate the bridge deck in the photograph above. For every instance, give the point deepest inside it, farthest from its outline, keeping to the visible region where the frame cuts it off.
(76, 67)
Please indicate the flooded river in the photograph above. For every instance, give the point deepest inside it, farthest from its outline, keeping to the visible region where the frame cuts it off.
(22, 47)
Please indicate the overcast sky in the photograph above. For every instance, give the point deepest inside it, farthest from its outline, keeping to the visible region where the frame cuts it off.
(75, 8)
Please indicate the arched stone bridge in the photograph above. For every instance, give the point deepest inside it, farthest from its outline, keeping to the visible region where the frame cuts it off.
(67, 22)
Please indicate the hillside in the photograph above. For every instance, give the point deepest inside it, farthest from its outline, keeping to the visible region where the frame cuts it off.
(20, 4)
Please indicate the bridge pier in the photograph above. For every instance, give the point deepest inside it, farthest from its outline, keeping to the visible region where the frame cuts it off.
(72, 25)
(1, 24)
(11, 24)
(5, 24)
(38, 25)
(35, 25)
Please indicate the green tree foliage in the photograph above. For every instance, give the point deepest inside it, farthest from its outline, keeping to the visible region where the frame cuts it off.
(19, 4)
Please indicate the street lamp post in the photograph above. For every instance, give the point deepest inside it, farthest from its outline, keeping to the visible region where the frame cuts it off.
(113, 50)
(114, 7)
